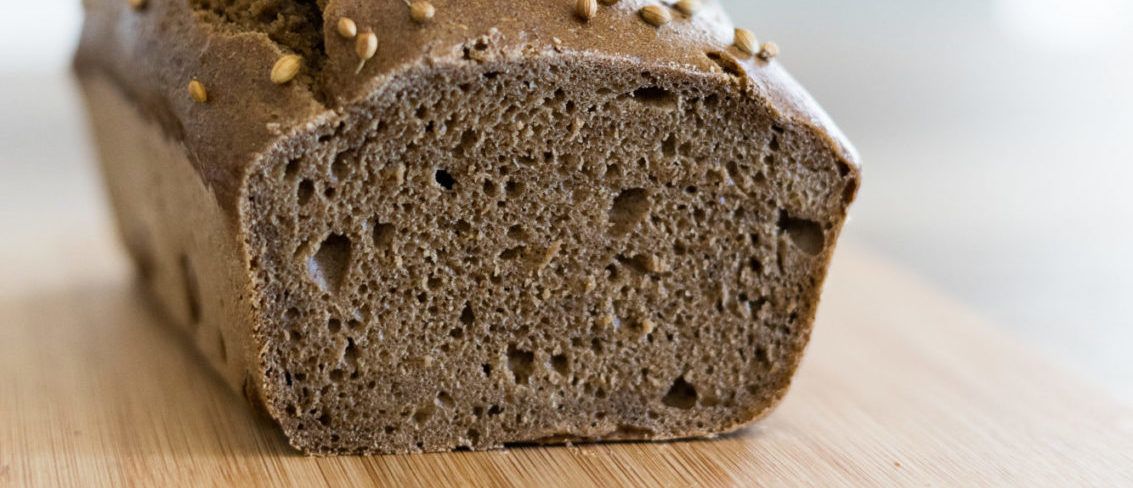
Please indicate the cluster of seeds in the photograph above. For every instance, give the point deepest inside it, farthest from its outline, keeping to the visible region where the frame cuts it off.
(365, 43)
(288, 67)
(747, 43)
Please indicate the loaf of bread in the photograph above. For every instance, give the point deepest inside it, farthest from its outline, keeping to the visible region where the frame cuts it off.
(404, 227)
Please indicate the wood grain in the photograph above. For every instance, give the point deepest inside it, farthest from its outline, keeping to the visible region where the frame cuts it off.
(901, 387)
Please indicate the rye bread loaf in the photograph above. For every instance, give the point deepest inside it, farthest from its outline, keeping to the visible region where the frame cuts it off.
(510, 224)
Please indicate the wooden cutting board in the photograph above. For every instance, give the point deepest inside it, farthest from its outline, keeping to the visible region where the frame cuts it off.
(901, 387)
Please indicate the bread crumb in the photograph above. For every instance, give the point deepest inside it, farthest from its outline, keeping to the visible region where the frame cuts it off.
(395, 174)
(549, 254)
(607, 321)
(647, 326)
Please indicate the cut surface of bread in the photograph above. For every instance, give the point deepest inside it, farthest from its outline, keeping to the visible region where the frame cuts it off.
(489, 248)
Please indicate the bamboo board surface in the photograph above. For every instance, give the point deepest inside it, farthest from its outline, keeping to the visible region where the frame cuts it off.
(901, 387)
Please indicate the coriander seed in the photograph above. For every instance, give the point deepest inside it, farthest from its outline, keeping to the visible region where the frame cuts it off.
(746, 41)
(769, 51)
(286, 69)
(656, 15)
(421, 11)
(688, 7)
(586, 9)
(198, 92)
(347, 28)
(366, 46)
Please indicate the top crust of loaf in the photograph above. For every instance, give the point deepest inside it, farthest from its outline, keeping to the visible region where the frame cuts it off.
(154, 52)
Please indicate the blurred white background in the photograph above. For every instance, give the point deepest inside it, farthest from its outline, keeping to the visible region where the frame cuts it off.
(997, 137)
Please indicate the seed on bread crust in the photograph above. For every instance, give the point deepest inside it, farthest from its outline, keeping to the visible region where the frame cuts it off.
(586, 9)
(746, 42)
(656, 15)
(198, 92)
(366, 46)
(769, 50)
(688, 7)
(286, 69)
(347, 28)
(421, 11)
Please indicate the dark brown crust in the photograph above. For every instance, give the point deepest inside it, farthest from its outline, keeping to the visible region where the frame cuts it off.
(155, 52)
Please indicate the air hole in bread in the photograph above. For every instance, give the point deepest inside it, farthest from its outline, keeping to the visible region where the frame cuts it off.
(383, 235)
(512, 253)
(669, 146)
(629, 209)
(521, 364)
(445, 400)
(640, 263)
(305, 191)
(633, 431)
(755, 265)
(613, 171)
(490, 188)
(656, 97)
(340, 169)
(561, 364)
(681, 395)
(807, 235)
(462, 227)
(467, 316)
(291, 169)
(467, 141)
(424, 413)
(329, 265)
